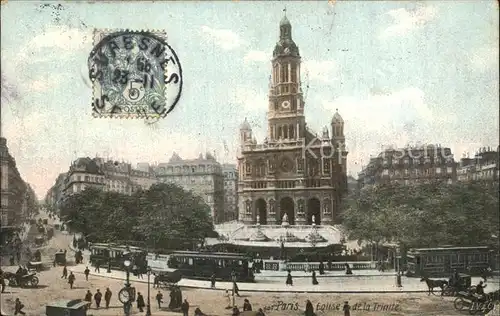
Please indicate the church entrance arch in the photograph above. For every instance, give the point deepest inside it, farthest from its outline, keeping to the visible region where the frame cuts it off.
(287, 207)
(261, 207)
(313, 209)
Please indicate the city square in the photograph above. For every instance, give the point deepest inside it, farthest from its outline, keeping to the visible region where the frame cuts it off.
(321, 167)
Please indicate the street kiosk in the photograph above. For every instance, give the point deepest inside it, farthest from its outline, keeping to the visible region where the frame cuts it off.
(67, 308)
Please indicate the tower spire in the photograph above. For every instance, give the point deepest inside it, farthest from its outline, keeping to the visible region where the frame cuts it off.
(284, 10)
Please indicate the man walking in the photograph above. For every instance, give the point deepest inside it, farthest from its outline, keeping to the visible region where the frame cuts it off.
(64, 273)
(18, 308)
(97, 298)
(71, 280)
(185, 308)
(88, 298)
(107, 297)
(140, 302)
(86, 272)
(97, 264)
(159, 299)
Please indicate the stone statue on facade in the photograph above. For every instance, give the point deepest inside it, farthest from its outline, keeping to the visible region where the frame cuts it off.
(271, 207)
(285, 218)
(301, 207)
(248, 207)
(258, 220)
(313, 220)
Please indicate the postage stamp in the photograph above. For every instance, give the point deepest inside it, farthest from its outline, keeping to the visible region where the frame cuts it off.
(135, 74)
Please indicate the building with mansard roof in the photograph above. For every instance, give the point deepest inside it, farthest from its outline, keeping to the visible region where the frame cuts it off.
(484, 166)
(410, 164)
(18, 198)
(230, 172)
(202, 175)
(294, 171)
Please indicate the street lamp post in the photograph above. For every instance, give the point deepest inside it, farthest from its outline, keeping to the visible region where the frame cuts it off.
(127, 264)
(148, 307)
(109, 259)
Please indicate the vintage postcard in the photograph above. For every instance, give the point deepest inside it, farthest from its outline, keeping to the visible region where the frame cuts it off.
(257, 158)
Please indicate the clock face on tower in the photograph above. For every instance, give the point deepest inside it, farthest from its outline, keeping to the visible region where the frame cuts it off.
(285, 105)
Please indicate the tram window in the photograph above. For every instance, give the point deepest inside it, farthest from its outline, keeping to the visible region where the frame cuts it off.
(190, 261)
(418, 260)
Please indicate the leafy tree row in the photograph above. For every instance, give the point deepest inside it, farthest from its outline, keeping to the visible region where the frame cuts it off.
(424, 215)
(165, 216)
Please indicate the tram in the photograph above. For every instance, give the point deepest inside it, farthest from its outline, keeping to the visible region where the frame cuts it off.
(201, 265)
(115, 255)
(443, 261)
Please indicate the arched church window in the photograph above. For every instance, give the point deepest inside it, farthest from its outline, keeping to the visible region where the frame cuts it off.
(292, 132)
(294, 72)
(285, 130)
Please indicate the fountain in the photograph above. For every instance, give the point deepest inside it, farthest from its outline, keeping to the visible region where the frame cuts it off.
(259, 235)
(314, 237)
(287, 236)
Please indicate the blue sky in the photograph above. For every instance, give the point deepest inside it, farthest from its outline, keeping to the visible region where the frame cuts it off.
(399, 72)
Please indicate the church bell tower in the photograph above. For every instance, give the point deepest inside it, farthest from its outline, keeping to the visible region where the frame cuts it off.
(286, 105)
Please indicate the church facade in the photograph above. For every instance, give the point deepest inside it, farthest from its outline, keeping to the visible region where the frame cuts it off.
(294, 171)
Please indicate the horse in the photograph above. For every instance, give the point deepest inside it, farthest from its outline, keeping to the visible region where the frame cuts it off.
(431, 284)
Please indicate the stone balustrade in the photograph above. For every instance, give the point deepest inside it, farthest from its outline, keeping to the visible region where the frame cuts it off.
(277, 265)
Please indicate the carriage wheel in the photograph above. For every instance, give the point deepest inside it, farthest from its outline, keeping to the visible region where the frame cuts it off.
(34, 281)
(12, 282)
(459, 304)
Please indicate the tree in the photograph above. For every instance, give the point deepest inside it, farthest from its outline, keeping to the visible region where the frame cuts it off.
(165, 216)
(424, 215)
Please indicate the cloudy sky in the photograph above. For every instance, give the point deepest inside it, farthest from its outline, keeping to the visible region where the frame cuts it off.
(399, 72)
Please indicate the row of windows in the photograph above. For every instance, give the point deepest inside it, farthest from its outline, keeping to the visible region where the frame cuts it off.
(406, 161)
(417, 172)
(190, 169)
(457, 258)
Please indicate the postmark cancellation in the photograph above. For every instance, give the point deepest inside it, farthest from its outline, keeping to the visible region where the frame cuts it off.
(134, 74)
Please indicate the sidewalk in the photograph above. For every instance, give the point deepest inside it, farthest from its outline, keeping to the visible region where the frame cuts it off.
(351, 285)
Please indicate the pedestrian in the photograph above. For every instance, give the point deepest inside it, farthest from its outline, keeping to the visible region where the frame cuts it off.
(97, 264)
(228, 297)
(185, 308)
(97, 298)
(159, 299)
(236, 290)
(260, 312)
(314, 279)
(309, 309)
(88, 298)
(71, 280)
(140, 302)
(398, 279)
(107, 296)
(198, 312)
(247, 306)
(289, 280)
(236, 311)
(86, 272)
(18, 307)
(64, 273)
(212, 281)
(2, 280)
(347, 309)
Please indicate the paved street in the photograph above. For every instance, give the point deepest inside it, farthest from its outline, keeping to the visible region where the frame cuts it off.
(212, 302)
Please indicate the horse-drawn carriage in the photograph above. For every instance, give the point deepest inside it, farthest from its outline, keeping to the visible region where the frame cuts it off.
(26, 280)
(474, 303)
(462, 284)
(167, 279)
